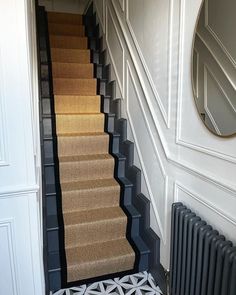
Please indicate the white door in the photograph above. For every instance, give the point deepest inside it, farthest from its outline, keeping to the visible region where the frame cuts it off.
(21, 265)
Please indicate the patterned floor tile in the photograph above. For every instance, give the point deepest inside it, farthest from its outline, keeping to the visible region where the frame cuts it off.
(137, 284)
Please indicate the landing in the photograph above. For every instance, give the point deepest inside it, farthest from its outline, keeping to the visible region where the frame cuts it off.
(137, 284)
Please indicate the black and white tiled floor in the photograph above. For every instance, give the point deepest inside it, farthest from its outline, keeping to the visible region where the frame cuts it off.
(137, 284)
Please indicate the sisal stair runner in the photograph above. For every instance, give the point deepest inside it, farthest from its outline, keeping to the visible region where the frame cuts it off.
(94, 223)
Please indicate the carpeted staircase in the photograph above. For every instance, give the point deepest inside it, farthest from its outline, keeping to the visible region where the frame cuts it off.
(94, 223)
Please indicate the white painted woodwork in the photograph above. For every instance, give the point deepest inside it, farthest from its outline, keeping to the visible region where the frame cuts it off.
(21, 266)
(70, 6)
(149, 47)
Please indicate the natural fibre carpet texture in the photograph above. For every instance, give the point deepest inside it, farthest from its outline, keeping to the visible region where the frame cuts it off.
(94, 224)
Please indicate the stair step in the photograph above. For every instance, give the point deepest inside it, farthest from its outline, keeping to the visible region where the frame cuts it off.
(70, 55)
(66, 29)
(83, 144)
(72, 70)
(99, 259)
(93, 226)
(62, 86)
(82, 123)
(70, 42)
(90, 194)
(77, 168)
(65, 18)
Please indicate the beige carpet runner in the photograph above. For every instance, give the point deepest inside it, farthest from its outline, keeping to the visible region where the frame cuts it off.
(94, 223)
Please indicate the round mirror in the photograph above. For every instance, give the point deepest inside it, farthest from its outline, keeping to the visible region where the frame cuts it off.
(214, 66)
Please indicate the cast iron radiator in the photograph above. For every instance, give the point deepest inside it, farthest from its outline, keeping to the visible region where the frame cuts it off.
(203, 262)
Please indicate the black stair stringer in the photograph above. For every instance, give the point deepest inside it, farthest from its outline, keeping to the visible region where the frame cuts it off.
(135, 204)
(53, 229)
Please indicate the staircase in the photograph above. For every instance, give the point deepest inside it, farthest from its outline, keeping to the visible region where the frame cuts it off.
(96, 221)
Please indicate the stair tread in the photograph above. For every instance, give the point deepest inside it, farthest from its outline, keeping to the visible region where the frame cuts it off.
(76, 79)
(74, 64)
(75, 86)
(70, 55)
(66, 29)
(66, 37)
(72, 70)
(64, 18)
(93, 216)
(77, 96)
(91, 157)
(82, 134)
(99, 251)
(77, 104)
(79, 114)
(89, 184)
(55, 13)
(65, 25)
(67, 41)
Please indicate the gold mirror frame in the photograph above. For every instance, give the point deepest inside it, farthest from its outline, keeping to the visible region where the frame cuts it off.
(192, 78)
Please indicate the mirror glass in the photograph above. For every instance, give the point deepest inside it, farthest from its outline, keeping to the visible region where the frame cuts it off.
(214, 66)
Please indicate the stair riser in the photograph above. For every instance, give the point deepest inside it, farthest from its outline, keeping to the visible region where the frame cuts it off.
(82, 145)
(70, 55)
(86, 170)
(69, 42)
(120, 167)
(103, 268)
(74, 87)
(54, 278)
(106, 104)
(143, 262)
(70, 70)
(61, 18)
(70, 30)
(53, 240)
(79, 124)
(90, 199)
(110, 122)
(95, 57)
(115, 143)
(83, 234)
(77, 104)
(127, 149)
(127, 196)
(93, 43)
(98, 71)
(102, 87)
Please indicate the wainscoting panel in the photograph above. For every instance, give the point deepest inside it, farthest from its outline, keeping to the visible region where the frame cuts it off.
(19, 264)
(148, 156)
(8, 281)
(151, 47)
(225, 223)
(115, 49)
(100, 8)
(3, 130)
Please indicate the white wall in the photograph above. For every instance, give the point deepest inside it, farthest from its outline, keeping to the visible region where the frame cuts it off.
(215, 65)
(70, 6)
(20, 225)
(149, 45)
